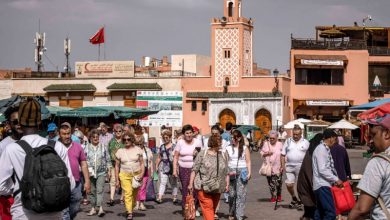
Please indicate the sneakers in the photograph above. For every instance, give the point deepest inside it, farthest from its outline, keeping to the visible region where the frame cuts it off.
(174, 200)
(279, 198)
(142, 207)
(101, 212)
(92, 212)
(197, 213)
(273, 199)
(293, 204)
(136, 206)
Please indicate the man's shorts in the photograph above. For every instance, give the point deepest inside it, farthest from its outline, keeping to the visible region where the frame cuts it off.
(292, 172)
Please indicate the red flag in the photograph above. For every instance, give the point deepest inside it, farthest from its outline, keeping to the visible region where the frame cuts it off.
(98, 38)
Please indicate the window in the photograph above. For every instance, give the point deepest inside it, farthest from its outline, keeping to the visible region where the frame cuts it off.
(204, 106)
(227, 53)
(227, 81)
(230, 9)
(319, 76)
(193, 106)
(382, 73)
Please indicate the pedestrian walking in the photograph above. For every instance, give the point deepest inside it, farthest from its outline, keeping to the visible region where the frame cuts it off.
(271, 152)
(375, 183)
(113, 146)
(305, 180)
(209, 176)
(14, 134)
(99, 165)
(12, 163)
(185, 151)
(164, 166)
(324, 176)
(77, 160)
(341, 161)
(226, 135)
(239, 173)
(293, 152)
(105, 136)
(148, 163)
(129, 167)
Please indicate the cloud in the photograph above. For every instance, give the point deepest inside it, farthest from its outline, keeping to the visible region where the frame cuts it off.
(187, 4)
(24, 5)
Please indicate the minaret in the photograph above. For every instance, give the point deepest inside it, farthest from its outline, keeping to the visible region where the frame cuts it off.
(231, 45)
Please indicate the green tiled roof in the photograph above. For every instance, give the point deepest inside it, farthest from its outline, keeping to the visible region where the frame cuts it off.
(222, 95)
(69, 87)
(134, 86)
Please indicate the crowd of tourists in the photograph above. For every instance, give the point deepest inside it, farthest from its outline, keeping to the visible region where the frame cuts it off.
(50, 177)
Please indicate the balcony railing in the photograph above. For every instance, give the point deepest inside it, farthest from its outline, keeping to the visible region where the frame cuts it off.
(379, 51)
(312, 44)
(17, 75)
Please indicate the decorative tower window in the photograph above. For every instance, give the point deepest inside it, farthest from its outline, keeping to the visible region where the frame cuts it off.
(230, 13)
(227, 53)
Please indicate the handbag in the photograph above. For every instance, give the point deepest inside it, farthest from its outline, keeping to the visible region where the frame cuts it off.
(343, 198)
(213, 184)
(266, 167)
(136, 183)
(244, 176)
(189, 207)
(150, 193)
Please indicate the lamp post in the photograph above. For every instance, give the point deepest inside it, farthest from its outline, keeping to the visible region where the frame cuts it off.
(275, 90)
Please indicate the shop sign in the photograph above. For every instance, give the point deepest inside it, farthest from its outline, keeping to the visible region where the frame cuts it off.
(327, 103)
(323, 62)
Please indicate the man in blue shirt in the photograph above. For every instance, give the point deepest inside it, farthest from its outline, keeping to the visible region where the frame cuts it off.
(324, 176)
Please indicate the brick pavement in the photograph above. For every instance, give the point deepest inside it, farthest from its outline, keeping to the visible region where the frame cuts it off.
(257, 206)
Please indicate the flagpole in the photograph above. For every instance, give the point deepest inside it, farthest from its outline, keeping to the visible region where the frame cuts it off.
(99, 53)
(104, 46)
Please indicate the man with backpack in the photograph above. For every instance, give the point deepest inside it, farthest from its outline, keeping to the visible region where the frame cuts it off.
(375, 183)
(40, 182)
(77, 159)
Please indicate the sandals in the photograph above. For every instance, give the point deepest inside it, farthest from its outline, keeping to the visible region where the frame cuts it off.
(111, 202)
(85, 202)
(129, 216)
(158, 201)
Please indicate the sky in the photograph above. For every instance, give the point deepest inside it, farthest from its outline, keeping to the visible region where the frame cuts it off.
(136, 28)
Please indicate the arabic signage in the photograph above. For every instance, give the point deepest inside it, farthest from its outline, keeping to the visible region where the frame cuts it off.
(169, 103)
(323, 62)
(105, 69)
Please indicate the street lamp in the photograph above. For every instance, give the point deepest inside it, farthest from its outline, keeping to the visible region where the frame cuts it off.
(275, 90)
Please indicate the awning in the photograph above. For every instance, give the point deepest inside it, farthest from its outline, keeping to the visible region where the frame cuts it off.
(70, 88)
(134, 86)
(54, 109)
(106, 111)
(370, 104)
(222, 95)
(303, 60)
(15, 101)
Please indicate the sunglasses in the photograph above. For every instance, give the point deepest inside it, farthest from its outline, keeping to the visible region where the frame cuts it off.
(120, 131)
(126, 139)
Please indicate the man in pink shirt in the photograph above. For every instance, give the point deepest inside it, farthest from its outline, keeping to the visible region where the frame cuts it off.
(77, 159)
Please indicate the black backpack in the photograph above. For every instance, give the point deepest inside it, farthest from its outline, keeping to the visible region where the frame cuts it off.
(45, 185)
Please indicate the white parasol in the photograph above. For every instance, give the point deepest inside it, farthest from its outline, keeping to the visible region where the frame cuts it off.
(300, 121)
(343, 124)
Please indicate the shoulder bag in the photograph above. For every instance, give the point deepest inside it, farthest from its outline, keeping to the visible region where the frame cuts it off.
(266, 167)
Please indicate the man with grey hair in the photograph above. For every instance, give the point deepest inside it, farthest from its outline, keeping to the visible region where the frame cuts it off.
(293, 152)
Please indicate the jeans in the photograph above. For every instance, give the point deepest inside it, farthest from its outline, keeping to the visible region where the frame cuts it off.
(97, 190)
(74, 207)
(325, 205)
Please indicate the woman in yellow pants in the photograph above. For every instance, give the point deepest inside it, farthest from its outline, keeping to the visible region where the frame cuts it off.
(129, 164)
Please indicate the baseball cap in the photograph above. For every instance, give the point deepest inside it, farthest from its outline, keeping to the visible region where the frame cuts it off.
(30, 113)
(51, 127)
(381, 121)
(67, 124)
(196, 129)
(328, 133)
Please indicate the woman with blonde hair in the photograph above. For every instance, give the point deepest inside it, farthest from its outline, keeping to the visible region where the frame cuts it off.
(148, 159)
(129, 167)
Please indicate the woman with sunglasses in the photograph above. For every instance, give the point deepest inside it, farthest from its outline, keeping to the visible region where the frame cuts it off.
(99, 163)
(113, 146)
(129, 166)
(185, 152)
(239, 172)
(147, 155)
(271, 152)
(164, 165)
